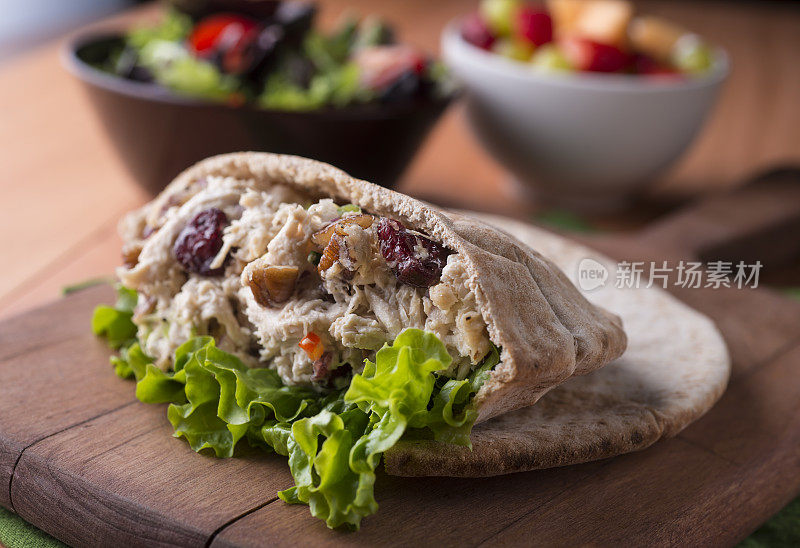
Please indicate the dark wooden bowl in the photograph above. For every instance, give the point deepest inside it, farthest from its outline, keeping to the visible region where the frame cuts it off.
(159, 133)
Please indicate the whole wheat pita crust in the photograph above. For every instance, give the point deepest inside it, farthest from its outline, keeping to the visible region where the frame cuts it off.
(675, 368)
(547, 330)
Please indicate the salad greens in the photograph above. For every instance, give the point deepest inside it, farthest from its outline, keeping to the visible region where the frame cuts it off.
(337, 80)
(334, 441)
(277, 61)
(175, 68)
(337, 86)
(173, 27)
(156, 52)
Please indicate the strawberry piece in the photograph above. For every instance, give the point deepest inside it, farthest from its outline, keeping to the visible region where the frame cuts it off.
(590, 56)
(534, 25)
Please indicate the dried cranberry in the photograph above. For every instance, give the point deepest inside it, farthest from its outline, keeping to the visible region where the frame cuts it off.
(414, 259)
(342, 371)
(322, 372)
(200, 241)
(321, 366)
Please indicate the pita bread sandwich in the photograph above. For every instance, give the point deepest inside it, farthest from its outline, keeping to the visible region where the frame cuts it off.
(279, 300)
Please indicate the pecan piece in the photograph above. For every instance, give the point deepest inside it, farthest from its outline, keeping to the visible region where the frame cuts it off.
(330, 255)
(323, 237)
(272, 284)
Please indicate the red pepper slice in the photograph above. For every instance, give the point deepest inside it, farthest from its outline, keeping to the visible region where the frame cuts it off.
(312, 345)
(207, 33)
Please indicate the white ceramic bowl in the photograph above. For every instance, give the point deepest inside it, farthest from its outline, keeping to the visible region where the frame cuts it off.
(582, 140)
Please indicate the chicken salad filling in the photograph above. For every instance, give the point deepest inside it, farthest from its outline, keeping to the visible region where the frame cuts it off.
(308, 288)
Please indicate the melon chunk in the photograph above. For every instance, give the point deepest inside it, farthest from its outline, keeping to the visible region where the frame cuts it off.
(604, 21)
(655, 36)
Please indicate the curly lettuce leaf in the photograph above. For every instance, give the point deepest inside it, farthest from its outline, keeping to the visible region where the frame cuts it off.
(452, 416)
(401, 375)
(115, 324)
(336, 478)
(131, 362)
(333, 457)
(323, 476)
(334, 442)
(217, 401)
(156, 386)
(448, 412)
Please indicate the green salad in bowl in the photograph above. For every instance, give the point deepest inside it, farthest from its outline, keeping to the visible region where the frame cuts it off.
(270, 55)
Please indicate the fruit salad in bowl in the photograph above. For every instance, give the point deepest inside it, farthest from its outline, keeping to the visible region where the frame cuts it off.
(587, 36)
(584, 101)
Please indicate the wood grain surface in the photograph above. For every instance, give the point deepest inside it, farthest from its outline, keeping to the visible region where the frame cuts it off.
(85, 462)
(64, 183)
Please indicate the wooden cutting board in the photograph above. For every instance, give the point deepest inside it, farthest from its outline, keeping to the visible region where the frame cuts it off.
(83, 460)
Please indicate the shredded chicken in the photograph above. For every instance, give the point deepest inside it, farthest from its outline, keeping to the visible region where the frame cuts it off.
(271, 292)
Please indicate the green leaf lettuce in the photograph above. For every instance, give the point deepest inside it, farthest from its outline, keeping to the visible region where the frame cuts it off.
(334, 442)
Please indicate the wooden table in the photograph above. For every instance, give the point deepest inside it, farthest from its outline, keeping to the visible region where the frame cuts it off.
(64, 188)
